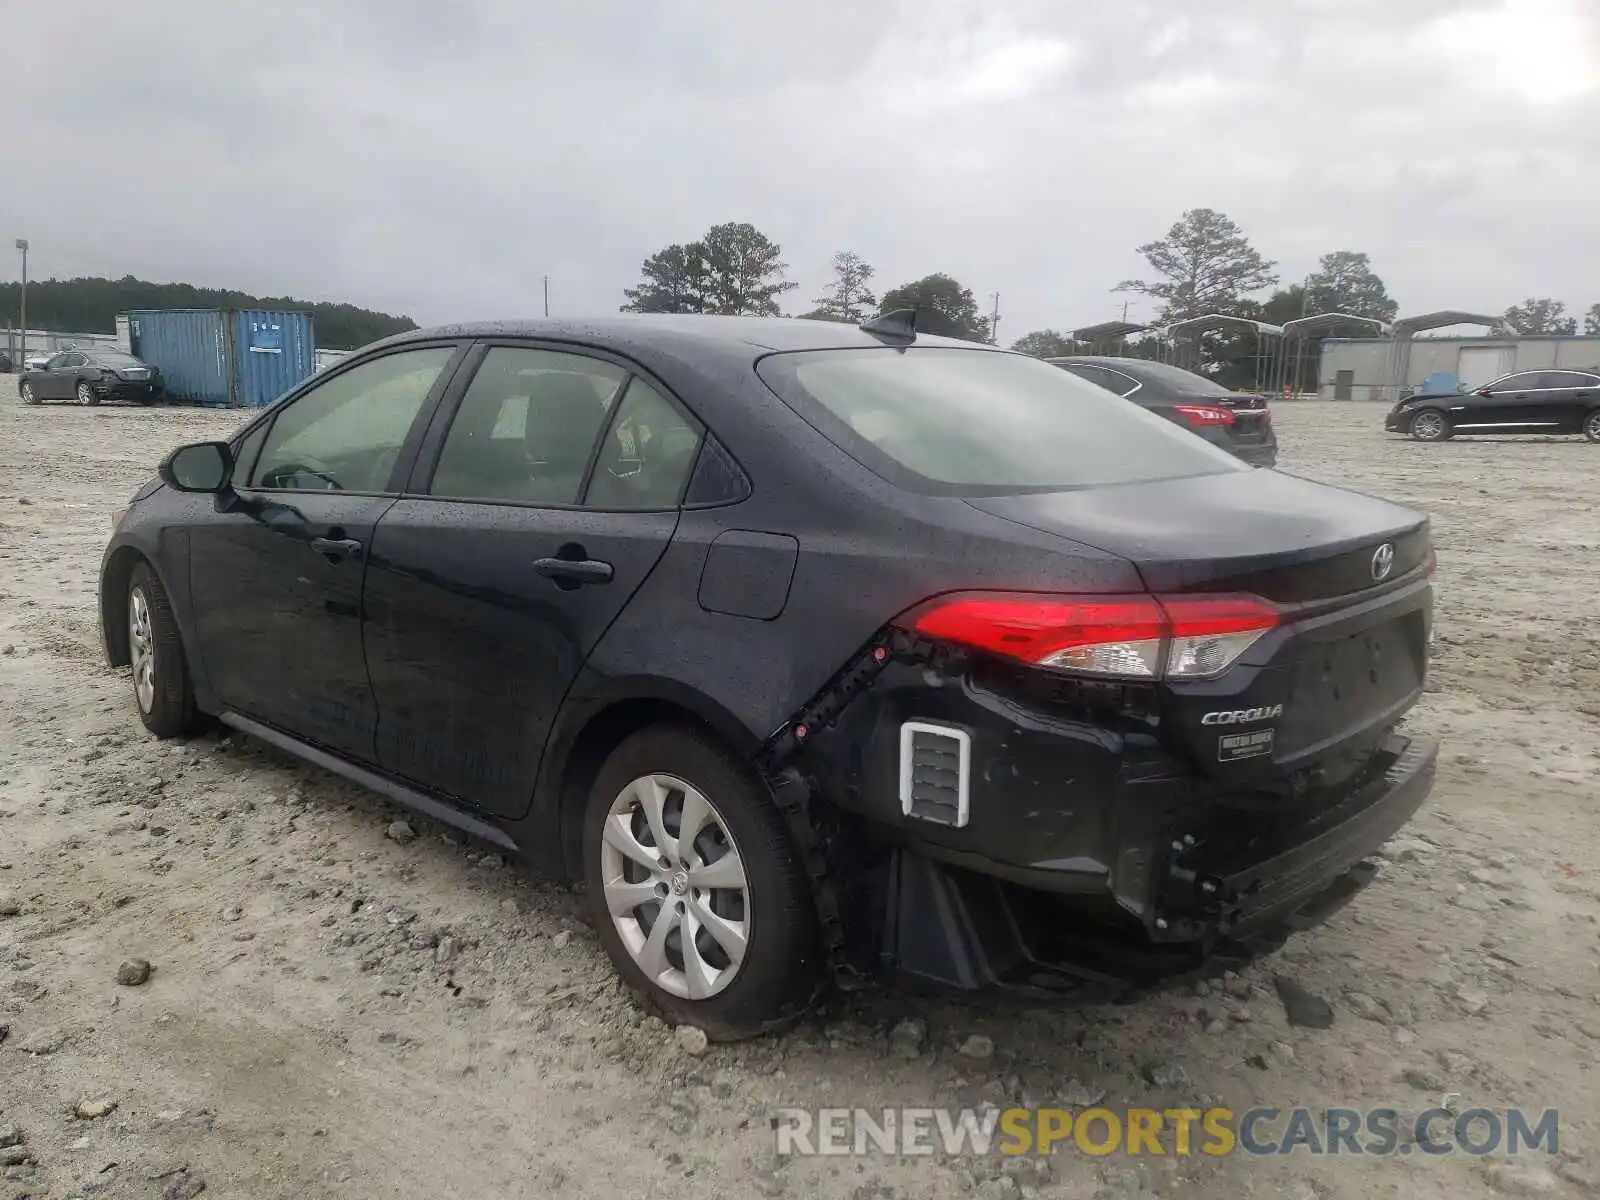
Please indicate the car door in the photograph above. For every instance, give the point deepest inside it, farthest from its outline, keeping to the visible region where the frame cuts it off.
(545, 495)
(276, 571)
(60, 377)
(1573, 395)
(1510, 403)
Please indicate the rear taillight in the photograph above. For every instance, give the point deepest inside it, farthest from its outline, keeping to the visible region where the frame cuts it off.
(1204, 415)
(1266, 416)
(1129, 637)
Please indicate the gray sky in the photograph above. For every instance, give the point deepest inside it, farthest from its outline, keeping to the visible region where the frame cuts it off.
(398, 156)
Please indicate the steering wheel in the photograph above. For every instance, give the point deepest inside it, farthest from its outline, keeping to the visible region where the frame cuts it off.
(306, 466)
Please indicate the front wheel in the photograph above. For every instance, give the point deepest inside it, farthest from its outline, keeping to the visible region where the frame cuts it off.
(1591, 426)
(86, 396)
(161, 684)
(1430, 425)
(28, 395)
(699, 895)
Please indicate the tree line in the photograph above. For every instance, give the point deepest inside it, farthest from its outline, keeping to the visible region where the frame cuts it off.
(1204, 264)
(91, 305)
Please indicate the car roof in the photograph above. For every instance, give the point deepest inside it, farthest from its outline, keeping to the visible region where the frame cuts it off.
(749, 336)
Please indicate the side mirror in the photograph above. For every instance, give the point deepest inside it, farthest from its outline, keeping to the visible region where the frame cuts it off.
(198, 467)
(1483, 392)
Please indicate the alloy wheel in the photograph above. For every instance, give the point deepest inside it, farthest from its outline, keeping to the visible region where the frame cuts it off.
(1427, 426)
(142, 648)
(1591, 427)
(27, 394)
(85, 395)
(675, 886)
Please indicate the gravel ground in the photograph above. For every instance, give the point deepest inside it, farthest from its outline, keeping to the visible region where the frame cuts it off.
(335, 1012)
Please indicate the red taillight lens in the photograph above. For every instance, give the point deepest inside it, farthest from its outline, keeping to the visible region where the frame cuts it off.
(1137, 637)
(1121, 632)
(1203, 415)
(1266, 416)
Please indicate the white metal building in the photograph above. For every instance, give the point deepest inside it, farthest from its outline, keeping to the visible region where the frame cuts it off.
(1370, 368)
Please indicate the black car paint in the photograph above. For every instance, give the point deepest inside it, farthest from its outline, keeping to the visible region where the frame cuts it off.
(59, 378)
(499, 682)
(1511, 404)
(1161, 388)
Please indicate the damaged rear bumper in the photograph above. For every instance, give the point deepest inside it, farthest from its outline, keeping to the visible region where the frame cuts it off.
(1206, 903)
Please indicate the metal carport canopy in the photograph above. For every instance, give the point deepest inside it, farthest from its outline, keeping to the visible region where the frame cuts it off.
(1406, 326)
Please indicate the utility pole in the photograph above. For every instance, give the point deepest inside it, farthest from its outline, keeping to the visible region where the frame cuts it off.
(22, 364)
(994, 321)
(547, 295)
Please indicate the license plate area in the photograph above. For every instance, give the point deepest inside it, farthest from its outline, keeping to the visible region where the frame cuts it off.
(1343, 685)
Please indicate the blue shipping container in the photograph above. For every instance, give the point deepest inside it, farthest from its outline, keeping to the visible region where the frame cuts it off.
(243, 358)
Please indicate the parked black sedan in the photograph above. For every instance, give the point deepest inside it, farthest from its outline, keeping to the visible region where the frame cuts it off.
(90, 376)
(1555, 401)
(813, 649)
(1238, 422)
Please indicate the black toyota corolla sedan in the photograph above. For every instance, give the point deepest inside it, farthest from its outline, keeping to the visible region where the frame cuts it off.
(815, 651)
(1237, 421)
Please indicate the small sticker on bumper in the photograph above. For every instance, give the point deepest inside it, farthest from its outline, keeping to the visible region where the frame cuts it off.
(1232, 746)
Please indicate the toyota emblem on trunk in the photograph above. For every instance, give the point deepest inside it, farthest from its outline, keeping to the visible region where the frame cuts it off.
(1382, 562)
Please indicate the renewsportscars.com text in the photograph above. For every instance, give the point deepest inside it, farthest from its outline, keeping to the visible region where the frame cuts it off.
(1170, 1131)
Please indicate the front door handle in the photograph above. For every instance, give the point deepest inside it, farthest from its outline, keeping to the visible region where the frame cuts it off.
(572, 572)
(337, 549)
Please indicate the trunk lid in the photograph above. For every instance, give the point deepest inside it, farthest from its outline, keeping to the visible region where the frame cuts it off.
(1319, 692)
(1281, 537)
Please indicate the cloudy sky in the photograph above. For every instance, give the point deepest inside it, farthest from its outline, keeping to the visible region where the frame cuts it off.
(438, 160)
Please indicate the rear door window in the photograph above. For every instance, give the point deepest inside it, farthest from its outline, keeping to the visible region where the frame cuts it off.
(956, 421)
(527, 427)
(1570, 379)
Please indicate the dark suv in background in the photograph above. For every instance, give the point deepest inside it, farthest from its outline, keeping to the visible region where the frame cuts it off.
(1238, 422)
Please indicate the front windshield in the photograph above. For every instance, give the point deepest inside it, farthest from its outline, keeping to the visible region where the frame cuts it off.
(980, 422)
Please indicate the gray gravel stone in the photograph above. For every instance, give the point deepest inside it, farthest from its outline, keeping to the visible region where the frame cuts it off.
(10, 906)
(401, 831)
(43, 1041)
(907, 1036)
(977, 1047)
(1303, 1008)
(135, 972)
(1167, 1074)
(691, 1041)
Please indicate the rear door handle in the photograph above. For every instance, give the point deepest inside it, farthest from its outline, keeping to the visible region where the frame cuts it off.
(571, 572)
(337, 549)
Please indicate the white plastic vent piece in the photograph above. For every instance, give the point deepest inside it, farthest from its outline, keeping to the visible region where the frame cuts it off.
(935, 773)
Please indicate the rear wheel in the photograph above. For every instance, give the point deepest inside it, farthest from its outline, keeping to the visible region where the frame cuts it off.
(1430, 425)
(161, 684)
(86, 396)
(695, 886)
(28, 396)
(1591, 426)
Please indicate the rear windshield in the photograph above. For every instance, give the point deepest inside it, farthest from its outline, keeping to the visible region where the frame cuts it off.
(982, 422)
(111, 358)
(1176, 379)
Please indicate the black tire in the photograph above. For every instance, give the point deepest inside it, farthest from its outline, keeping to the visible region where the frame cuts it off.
(25, 390)
(1591, 425)
(86, 395)
(171, 711)
(1435, 425)
(774, 983)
